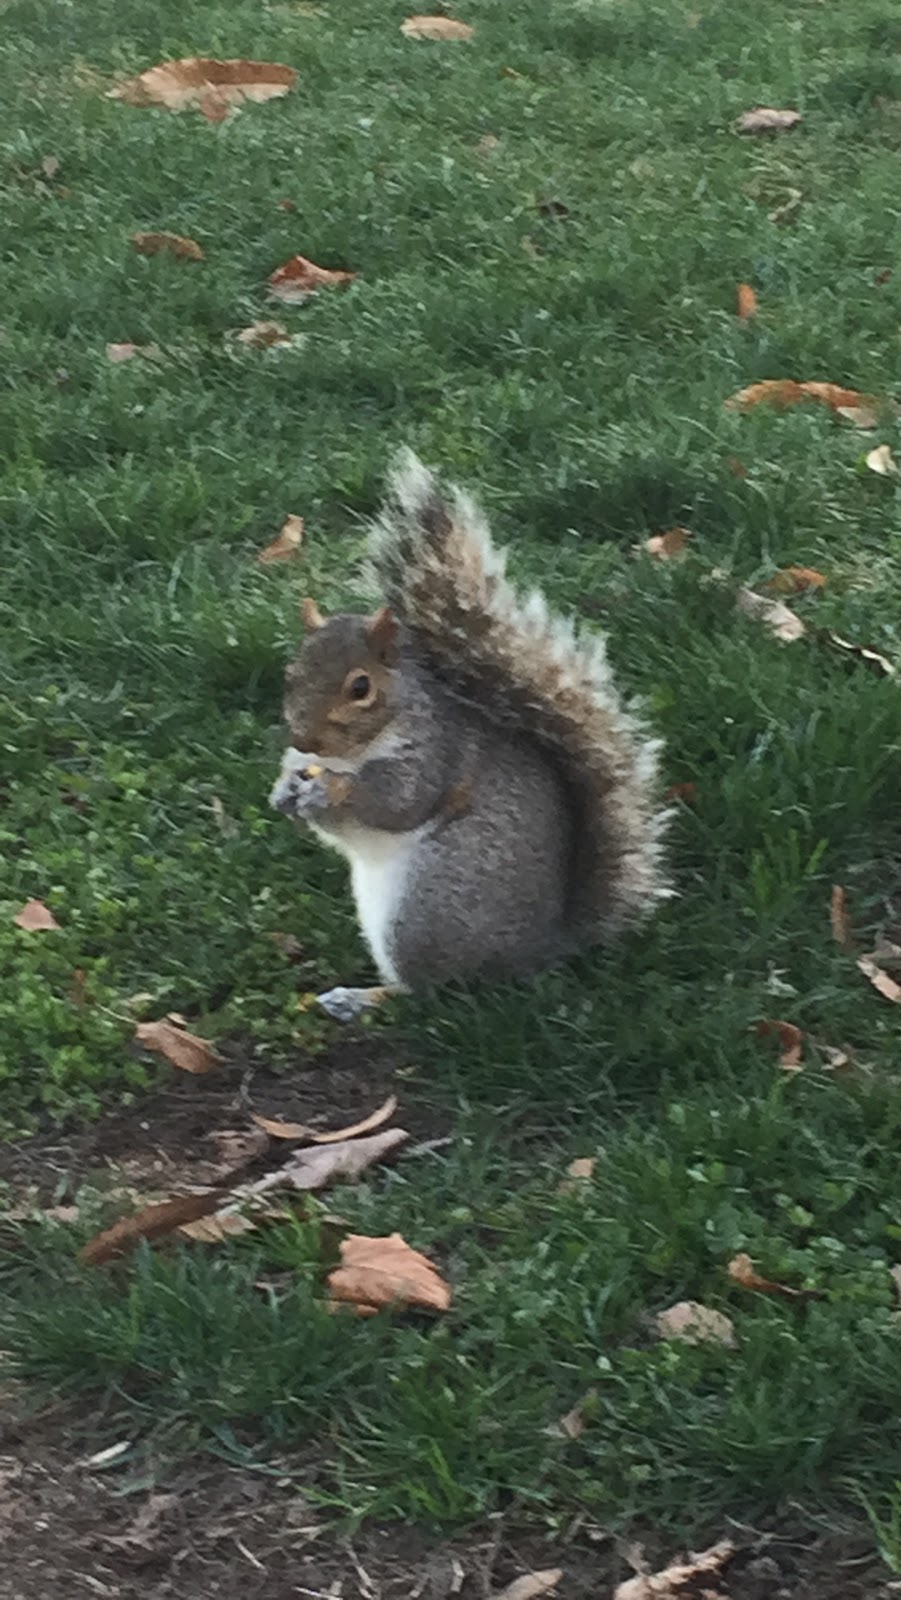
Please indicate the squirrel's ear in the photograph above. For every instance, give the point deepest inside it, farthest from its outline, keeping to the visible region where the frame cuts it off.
(310, 615)
(381, 635)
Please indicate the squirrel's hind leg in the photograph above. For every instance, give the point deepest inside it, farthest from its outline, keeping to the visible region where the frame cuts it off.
(345, 1005)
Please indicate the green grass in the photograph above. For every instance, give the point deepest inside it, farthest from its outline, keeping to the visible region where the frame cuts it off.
(578, 383)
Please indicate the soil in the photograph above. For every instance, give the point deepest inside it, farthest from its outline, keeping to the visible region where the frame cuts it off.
(205, 1530)
(73, 1528)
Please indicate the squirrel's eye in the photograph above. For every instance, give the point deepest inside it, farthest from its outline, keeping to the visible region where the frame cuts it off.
(359, 687)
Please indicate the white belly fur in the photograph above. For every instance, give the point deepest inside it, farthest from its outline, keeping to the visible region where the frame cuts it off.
(379, 863)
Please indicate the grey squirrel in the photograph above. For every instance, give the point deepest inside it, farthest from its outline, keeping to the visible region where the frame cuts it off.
(470, 756)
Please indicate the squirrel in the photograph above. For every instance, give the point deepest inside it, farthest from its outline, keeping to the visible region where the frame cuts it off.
(469, 754)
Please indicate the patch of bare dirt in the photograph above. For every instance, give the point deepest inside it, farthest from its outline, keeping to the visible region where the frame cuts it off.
(202, 1529)
(164, 1139)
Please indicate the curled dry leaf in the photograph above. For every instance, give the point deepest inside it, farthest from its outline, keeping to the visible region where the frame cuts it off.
(839, 920)
(862, 652)
(574, 1423)
(211, 86)
(747, 302)
(579, 1174)
(185, 1050)
(791, 1043)
(263, 335)
(436, 28)
(127, 352)
(287, 545)
(531, 1585)
(882, 983)
(773, 614)
(297, 1130)
(375, 1273)
(167, 244)
(882, 461)
(742, 1271)
(321, 1164)
(694, 1323)
(35, 917)
(666, 545)
(785, 392)
(152, 1222)
(673, 1581)
(298, 278)
(764, 119)
(794, 580)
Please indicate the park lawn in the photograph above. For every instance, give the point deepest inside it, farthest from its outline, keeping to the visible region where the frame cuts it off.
(549, 223)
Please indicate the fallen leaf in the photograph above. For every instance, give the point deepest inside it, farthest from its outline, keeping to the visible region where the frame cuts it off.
(169, 244)
(673, 1580)
(287, 545)
(375, 1273)
(106, 1457)
(213, 87)
(882, 461)
(681, 791)
(436, 28)
(152, 1222)
(532, 1585)
(747, 302)
(217, 1228)
(263, 335)
(773, 614)
(289, 945)
(487, 145)
(839, 920)
(791, 1043)
(50, 166)
(865, 416)
(579, 1173)
(298, 278)
(870, 658)
(574, 1423)
(35, 917)
(741, 1270)
(794, 580)
(237, 1149)
(694, 1323)
(666, 545)
(297, 1130)
(127, 352)
(882, 983)
(785, 392)
(183, 1049)
(763, 119)
(321, 1164)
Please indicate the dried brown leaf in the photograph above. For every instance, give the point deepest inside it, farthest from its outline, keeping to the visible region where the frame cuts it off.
(436, 28)
(773, 614)
(298, 278)
(321, 1164)
(785, 392)
(694, 1323)
(296, 1130)
(794, 580)
(574, 1423)
(35, 917)
(532, 1585)
(666, 545)
(263, 335)
(168, 244)
(185, 1050)
(672, 1582)
(839, 920)
(287, 545)
(153, 1222)
(882, 461)
(213, 87)
(870, 658)
(579, 1174)
(217, 1228)
(764, 119)
(791, 1043)
(747, 302)
(375, 1273)
(742, 1271)
(236, 1149)
(682, 791)
(882, 983)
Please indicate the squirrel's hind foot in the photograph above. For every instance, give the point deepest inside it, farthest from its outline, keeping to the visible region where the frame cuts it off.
(345, 1005)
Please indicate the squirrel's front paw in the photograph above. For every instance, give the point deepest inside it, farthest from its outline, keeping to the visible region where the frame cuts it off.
(301, 793)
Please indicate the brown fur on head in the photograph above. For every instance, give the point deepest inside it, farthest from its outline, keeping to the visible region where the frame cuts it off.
(342, 690)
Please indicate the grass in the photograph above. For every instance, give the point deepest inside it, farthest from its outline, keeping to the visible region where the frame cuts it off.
(574, 372)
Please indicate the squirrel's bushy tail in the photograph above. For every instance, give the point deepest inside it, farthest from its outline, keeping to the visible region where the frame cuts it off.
(437, 567)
